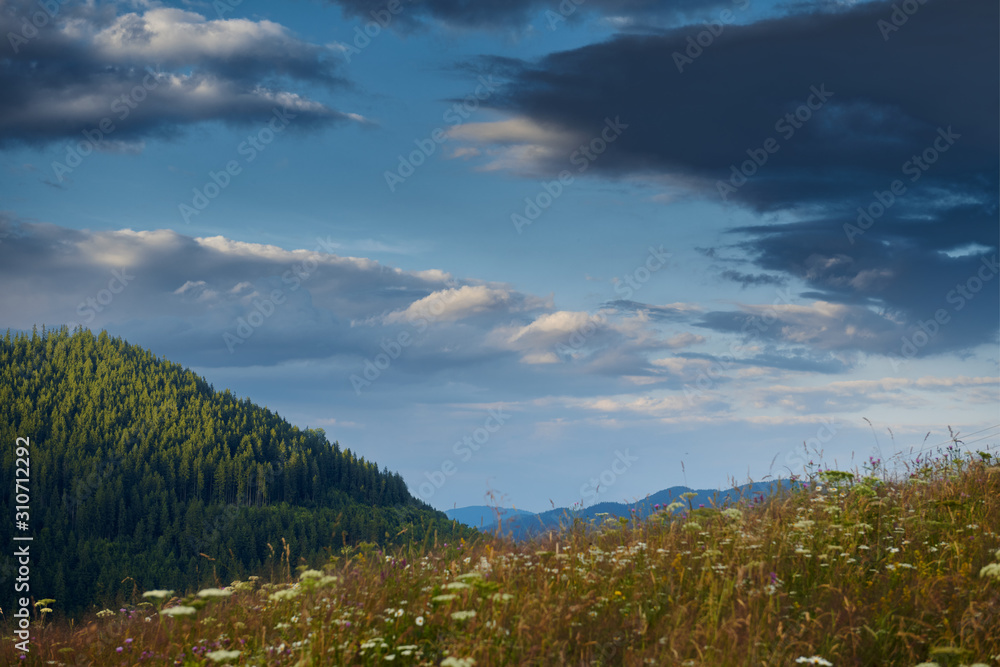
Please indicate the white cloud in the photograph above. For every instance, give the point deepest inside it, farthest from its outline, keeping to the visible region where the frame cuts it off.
(152, 71)
(453, 304)
(517, 144)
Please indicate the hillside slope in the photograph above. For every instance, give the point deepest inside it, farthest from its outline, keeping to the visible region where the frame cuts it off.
(139, 468)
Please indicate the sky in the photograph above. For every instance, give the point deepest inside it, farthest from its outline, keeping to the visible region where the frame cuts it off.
(527, 252)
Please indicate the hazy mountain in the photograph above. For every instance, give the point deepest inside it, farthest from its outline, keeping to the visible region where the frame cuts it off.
(483, 515)
(521, 524)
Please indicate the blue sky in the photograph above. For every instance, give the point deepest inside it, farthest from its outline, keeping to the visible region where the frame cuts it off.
(757, 225)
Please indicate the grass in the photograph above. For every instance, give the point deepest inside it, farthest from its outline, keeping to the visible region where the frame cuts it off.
(851, 570)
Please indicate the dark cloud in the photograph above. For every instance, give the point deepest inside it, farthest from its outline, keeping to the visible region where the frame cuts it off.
(752, 280)
(670, 312)
(518, 13)
(799, 360)
(887, 101)
(902, 269)
(913, 108)
(149, 74)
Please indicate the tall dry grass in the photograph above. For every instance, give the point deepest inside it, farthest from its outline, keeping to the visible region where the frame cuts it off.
(855, 569)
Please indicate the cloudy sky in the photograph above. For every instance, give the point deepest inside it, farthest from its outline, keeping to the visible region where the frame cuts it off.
(556, 252)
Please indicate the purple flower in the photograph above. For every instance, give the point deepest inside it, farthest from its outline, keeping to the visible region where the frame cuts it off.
(119, 649)
(128, 641)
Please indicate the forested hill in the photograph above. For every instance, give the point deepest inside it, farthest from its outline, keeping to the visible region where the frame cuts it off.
(140, 469)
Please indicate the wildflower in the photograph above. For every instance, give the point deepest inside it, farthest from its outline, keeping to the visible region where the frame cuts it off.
(105, 613)
(463, 615)
(420, 620)
(214, 593)
(457, 662)
(447, 597)
(180, 610)
(158, 594)
(815, 660)
(456, 585)
(991, 570)
(222, 656)
(286, 594)
(311, 574)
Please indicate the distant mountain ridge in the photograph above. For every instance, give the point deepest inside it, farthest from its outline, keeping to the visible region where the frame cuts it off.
(521, 524)
(476, 516)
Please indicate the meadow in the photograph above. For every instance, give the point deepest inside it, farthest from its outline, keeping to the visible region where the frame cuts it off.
(870, 567)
